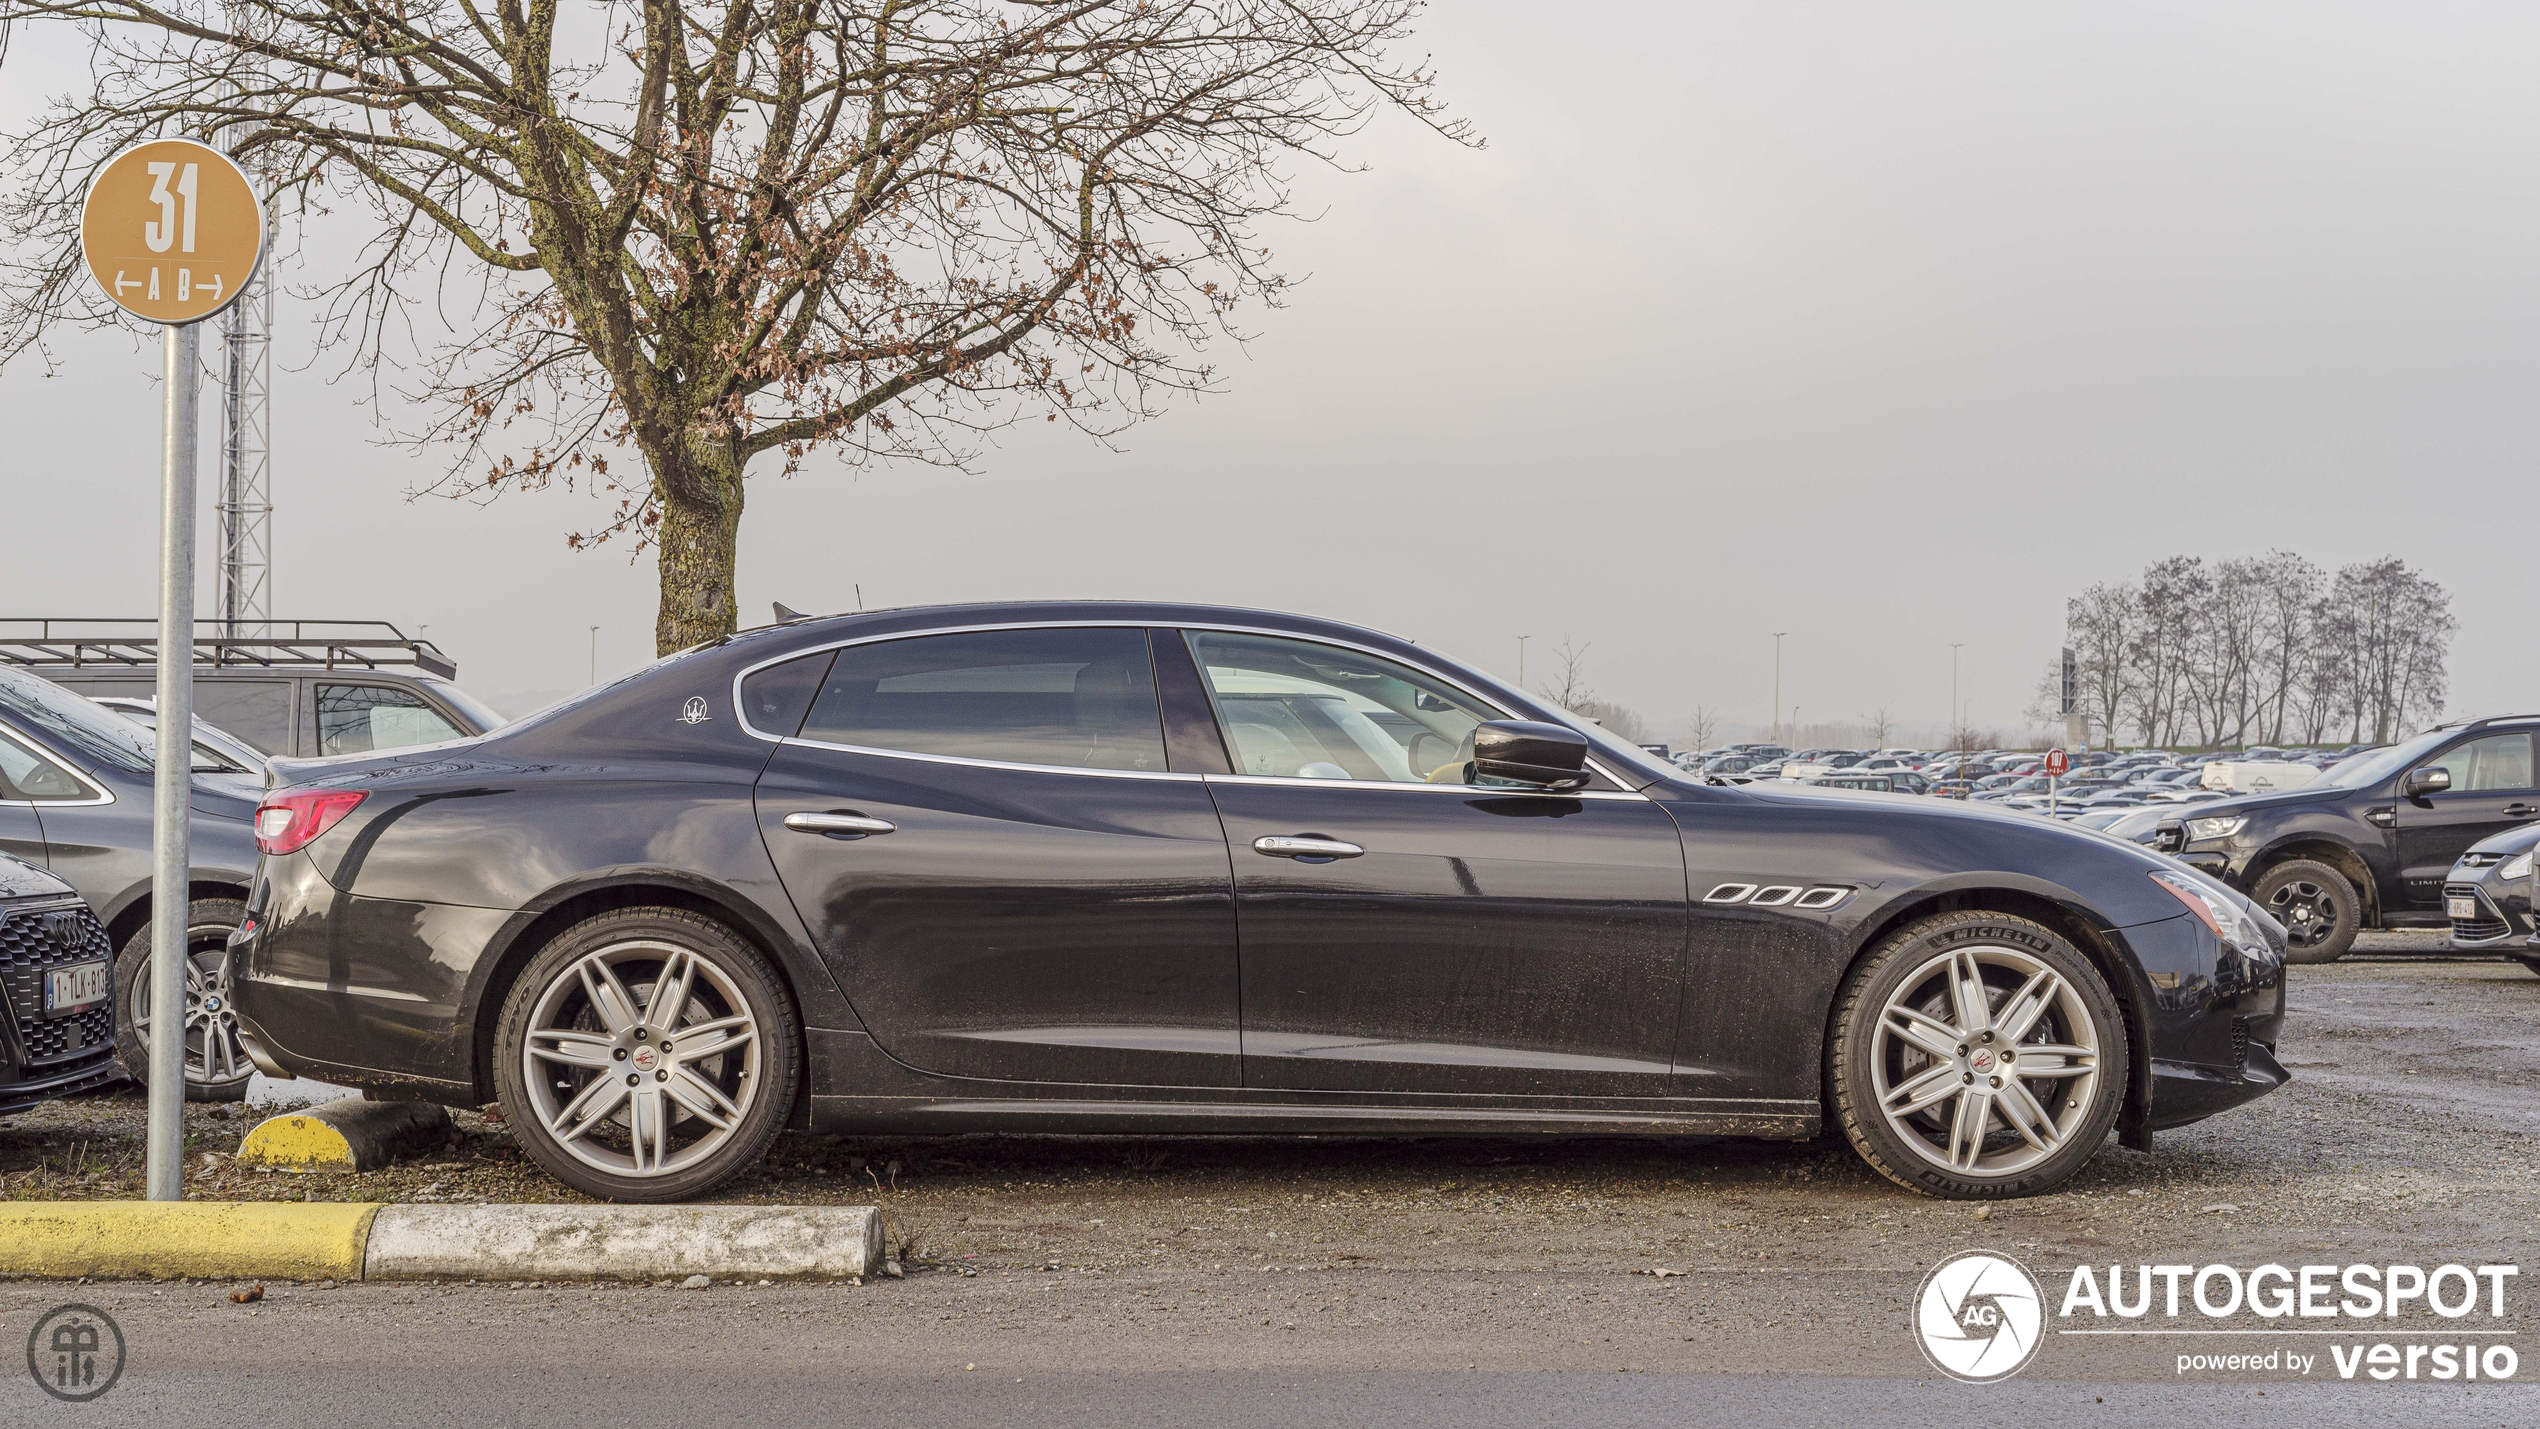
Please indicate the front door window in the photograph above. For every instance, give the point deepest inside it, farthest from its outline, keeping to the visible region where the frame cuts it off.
(1293, 709)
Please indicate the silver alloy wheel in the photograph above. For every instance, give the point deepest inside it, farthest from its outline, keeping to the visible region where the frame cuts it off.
(212, 1053)
(641, 1058)
(1960, 1044)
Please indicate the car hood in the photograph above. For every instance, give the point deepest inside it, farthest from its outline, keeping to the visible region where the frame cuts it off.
(2258, 803)
(20, 879)
(2510, 842)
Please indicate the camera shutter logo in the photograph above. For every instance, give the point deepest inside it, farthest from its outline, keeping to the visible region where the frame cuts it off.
(75, 1352)
(1980, 1317)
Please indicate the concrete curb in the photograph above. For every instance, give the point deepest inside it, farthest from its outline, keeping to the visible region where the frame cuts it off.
(624, 1242)
(161, 1240)
(348, 1134)
(312, 1241)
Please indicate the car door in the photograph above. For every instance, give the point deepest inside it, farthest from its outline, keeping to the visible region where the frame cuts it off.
(2492, 791)
(1407, 930)
(985, 835)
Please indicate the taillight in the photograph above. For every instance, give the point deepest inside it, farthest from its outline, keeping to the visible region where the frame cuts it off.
(290, 820)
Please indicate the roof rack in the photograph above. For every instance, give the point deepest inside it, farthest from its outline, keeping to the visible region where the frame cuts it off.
(85, 643)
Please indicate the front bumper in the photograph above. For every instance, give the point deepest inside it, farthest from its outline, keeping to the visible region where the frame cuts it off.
(2211, 1018)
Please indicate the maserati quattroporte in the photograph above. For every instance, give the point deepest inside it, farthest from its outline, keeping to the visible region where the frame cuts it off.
(1120, 868)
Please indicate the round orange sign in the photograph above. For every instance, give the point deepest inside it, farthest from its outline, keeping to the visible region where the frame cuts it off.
(171, 230)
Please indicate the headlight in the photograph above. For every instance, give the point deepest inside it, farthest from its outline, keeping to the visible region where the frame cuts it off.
(2219, 911)
(2517, 867)
(2217, 828)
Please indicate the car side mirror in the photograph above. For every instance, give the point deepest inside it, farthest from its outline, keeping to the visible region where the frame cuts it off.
(2428, 781)
(1531, 752)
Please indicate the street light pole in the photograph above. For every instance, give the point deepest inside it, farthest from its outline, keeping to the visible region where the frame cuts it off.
(595, 654)
(1777, 684)
(1953, 687)
(1521, 660)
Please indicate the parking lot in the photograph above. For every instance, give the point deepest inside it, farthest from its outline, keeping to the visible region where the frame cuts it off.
(2408, 1134)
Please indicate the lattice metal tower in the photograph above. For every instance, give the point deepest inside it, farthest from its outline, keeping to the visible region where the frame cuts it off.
(246, 499)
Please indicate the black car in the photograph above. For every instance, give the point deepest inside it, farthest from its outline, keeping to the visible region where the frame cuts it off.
(57, 1018)
(75, 797)
(1099, 867)
(2487, 896)
(2372, 841)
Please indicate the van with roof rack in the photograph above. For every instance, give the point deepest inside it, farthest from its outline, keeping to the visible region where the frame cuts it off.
(2370, 842)
(291, 688)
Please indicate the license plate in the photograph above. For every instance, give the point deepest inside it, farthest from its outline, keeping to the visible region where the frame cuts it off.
(2465, 909)
(76, 988)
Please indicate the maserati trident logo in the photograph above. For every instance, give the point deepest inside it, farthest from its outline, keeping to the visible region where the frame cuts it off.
(694, 712)
(1980, 1317)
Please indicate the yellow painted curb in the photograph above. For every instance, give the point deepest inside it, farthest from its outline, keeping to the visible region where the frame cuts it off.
(299, 1143)
(170, 1239)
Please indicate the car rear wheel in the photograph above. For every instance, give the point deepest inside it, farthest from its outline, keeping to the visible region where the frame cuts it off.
(2321, 911)
(648, 1054)
(1977, 1056)
(216, 1068)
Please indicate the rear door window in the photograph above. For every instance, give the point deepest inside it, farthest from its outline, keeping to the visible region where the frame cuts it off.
(257, 711)
(356, 719)
(1062, 698)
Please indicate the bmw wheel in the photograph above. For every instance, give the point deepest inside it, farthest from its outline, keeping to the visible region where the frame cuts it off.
(647, 1055)
(1977, 1056)
(216, 1067)
(2320, 910)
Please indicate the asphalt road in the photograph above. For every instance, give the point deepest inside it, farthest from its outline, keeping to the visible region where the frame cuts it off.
(1438, 1281)
(1344, 1348)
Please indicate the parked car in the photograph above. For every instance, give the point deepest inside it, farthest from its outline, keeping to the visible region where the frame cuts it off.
(57, 1017)
(215, 749)
(309, 688)
(1847, 779)
(959, 869)
(75, 798)
(2372, 841)
(2487, 896)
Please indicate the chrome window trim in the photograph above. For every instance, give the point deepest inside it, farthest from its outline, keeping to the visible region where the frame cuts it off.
(753, 731)
(1495, 791)
(41, 751)
(801, 743)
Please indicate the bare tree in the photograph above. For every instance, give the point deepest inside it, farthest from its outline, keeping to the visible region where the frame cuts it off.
(1702, 727)
(717, 229)
(1880, 727)
(1568, 687)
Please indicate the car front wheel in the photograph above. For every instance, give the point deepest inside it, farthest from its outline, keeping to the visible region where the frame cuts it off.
(647, 1054)
(1977, 1056)
(216, 1068)
(2321, 911)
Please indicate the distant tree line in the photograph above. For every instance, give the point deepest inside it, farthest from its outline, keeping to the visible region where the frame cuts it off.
(2262, 650)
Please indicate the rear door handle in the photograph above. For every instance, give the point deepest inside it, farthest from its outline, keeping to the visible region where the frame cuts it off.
(1278, 846)
(854, 824)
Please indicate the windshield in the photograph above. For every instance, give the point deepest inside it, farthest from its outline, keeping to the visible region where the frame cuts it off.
(2374, 765)
(74, 725)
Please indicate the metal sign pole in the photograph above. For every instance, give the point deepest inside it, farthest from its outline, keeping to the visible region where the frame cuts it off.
(173, 781)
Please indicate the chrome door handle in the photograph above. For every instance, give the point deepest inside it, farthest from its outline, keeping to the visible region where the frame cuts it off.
(2520, 811)
(838, 824)
(1283, 847)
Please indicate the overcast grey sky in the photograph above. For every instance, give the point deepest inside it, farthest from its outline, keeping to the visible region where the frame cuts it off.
(1886, 325)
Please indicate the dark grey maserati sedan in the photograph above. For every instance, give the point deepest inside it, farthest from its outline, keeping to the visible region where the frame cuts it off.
(1145, 868)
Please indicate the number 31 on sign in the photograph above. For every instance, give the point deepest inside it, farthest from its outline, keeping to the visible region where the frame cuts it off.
(171, 230)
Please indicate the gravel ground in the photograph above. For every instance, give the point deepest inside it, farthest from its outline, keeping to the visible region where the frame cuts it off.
(2409, 1128)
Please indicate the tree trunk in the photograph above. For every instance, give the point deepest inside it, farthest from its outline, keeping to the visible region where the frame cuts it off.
(700, 493)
